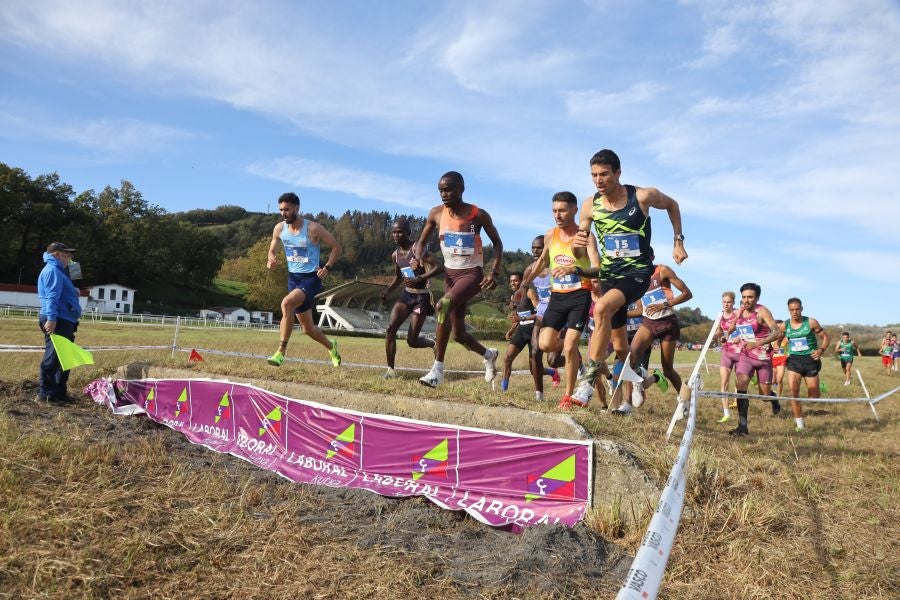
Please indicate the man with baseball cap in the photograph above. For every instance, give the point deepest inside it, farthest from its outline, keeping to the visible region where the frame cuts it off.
(59, 315)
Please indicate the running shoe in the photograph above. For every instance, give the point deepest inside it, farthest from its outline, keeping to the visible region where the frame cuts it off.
(776, 408)
(276, 360)
(433, 378)
(334, 354)
(724, 419)
(554, 377)
(754, 380)
(661, 380)
(624, 410)
(490, 365)
(565, 403)
(799, 429)
(443, 308)
(583, 394)
(637, 395)
(738, 431)
(389, 374)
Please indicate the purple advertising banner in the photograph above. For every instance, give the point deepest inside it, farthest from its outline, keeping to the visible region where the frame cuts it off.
(501, 479)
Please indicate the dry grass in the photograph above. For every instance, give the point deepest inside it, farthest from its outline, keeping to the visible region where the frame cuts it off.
(85, 513)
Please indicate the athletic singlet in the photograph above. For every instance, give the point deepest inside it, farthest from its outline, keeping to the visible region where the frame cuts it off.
(624, 237)
(845, 350)
(751, 330)
(802, 340)
(731, 344)
(461, 240)
(887, 349)
(541, 285)
(632, 324)
(563, 255)
(302, 257)
(525, 308)
(657, 293)
(401, 259)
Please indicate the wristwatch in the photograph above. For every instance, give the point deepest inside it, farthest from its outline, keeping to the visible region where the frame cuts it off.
(679, 237)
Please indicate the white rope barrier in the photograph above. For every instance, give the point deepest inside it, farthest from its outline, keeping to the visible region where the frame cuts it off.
(819, 400)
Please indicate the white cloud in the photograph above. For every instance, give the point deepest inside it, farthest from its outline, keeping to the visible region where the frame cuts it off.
(330, 177)
(112, 138)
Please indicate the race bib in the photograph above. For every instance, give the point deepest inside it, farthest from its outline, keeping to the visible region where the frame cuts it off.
(799, 344)
(745, 332)
(297, 254)
(408, 272)
(657, 296)
(524, 314)
(459, 243)
(567, 282)
(622, 245)
(543, 293)
(632, 323)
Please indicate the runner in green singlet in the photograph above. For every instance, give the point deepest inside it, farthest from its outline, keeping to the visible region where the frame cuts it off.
(621, 218)
(845, 349)
(804, 355)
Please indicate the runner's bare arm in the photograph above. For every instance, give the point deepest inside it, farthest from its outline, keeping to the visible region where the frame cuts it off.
(436, 267)
(487, 224)
(432, 222)
(323, 236)
(652, 197)
(273, 259)
(817, 329)
(532, 295)
(584, 223)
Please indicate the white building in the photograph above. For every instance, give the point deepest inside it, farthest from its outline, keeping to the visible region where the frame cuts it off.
(227, 313)
(261, 316)
(26, 295)
(111, 298)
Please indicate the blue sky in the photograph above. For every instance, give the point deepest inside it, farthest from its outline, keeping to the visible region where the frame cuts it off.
(776, 125)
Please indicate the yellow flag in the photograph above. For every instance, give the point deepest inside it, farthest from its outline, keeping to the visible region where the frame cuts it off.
(70, 354)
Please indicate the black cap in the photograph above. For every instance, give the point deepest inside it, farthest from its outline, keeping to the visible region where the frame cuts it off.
(59, 247)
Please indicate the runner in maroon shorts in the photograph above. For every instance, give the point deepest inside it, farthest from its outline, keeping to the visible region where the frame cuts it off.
(731, 351)
(459, 226)
(756, 330)
(660, 323)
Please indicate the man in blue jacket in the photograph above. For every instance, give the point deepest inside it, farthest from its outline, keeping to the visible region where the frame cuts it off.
(59, 314)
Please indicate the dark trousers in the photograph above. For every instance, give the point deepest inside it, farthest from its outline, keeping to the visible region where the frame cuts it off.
(53, 378)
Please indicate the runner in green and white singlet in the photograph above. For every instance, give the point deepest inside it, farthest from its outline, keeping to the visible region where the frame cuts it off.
(620, 215)
(804, 355)
(846, 349)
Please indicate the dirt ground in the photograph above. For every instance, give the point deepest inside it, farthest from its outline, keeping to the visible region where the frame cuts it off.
(475, 559)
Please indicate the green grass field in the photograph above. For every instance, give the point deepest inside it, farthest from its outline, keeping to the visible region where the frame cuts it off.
(777, 515)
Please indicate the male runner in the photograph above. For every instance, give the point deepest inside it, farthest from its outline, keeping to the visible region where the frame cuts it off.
(415, 299)
(731, 350)
(804, 355)
(301, 239)
(520, 331)
(845, 349)
(459, 225)
(542, 285)
(887, 352)
(896, 351)
(621, 217)
(570, 295)
(756, 330)
(660, 323)
(779, 362)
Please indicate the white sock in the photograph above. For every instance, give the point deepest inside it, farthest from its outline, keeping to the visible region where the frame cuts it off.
(799, 421)
(438, 366)
(727, 412)
(539, 396)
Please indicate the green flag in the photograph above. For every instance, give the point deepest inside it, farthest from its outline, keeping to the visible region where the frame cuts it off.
(70, 354)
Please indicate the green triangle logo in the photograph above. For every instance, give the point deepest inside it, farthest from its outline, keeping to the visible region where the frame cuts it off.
(180, 402)
(345, 437)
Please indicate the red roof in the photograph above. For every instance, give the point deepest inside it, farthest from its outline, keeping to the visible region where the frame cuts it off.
(29, 289)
